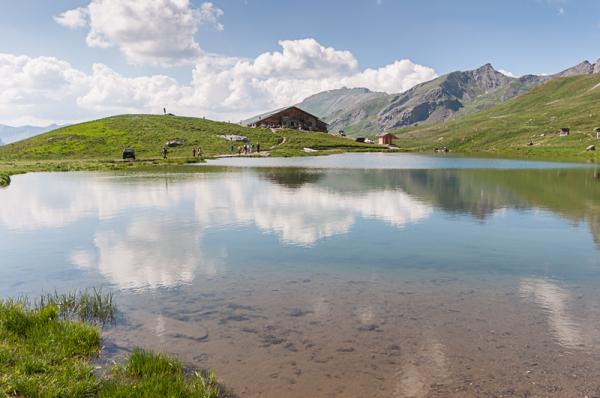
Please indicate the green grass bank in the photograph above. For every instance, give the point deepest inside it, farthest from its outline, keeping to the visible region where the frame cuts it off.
(47, 350)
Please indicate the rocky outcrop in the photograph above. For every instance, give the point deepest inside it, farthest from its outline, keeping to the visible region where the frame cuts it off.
(584, 68)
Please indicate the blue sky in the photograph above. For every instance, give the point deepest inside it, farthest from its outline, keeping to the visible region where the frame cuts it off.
(526, 36)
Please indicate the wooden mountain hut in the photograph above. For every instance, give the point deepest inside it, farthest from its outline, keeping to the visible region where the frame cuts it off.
(290, 118)
(386, 138)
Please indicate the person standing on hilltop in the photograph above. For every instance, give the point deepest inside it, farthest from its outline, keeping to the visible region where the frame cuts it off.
(258, 148)
(165, 152)
(194, 152)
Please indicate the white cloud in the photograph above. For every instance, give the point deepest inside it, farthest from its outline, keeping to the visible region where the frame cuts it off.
(507, 73)
(75, 18)
(211, 14)
(302, 68)
(108, 91)
(38, 89)
(220, 88)
(154, 32)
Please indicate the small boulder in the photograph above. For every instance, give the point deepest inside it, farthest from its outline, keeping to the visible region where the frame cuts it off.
(234, 137)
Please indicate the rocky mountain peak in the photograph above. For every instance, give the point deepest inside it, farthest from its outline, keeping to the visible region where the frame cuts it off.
(488, 78)
(584, 68)
(359, 111)
(485, 68)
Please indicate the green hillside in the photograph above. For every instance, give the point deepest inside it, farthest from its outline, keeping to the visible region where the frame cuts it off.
(508, 128)
(105, 139)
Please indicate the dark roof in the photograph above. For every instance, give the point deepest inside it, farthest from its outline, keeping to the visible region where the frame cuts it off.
(258, 118)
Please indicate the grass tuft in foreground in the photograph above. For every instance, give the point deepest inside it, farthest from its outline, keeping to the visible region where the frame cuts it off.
(43, 356)
(91, 307)
(43, 353)
(147, 374)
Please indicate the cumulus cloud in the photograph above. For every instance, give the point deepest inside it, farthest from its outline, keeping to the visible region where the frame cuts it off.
(75, 18)
(209, 13)
(507, 73)
(224, 88)
(40, 89)
(300, 69)
(154, 32)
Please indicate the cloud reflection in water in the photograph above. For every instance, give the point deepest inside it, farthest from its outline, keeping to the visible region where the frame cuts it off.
(157, 239)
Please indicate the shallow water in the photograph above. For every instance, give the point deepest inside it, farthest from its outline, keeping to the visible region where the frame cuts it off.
(452, 278)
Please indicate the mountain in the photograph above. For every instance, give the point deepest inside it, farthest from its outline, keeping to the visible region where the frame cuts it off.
(527, 125)
(9, 134)
(457, 94)
(354, 110)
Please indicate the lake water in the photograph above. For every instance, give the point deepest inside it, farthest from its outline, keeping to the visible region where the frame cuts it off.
(361, 275)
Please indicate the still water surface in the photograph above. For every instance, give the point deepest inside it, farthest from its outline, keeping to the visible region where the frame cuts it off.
(335, 277)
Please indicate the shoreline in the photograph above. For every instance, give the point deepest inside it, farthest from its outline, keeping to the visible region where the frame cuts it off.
(10, 168)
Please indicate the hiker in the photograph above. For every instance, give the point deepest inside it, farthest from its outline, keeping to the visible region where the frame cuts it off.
(231, 148)
(240, 151)
(257, 148)
(165, 111)
(194, 152)
(199, 152)
(165, 152)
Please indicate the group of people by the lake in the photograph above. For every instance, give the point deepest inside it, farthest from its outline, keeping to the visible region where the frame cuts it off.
(246, 149)
(196, 152)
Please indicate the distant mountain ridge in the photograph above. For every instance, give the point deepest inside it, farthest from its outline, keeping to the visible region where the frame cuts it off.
(359, 111)
(10, 134)
(526, 126)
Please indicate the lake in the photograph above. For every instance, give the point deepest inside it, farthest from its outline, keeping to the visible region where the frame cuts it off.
(356, 275)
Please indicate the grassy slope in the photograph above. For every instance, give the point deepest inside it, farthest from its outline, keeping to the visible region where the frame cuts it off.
(507, 128)
(104, 139)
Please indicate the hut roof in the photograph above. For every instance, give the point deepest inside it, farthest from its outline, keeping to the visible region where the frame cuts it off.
(260, 117)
